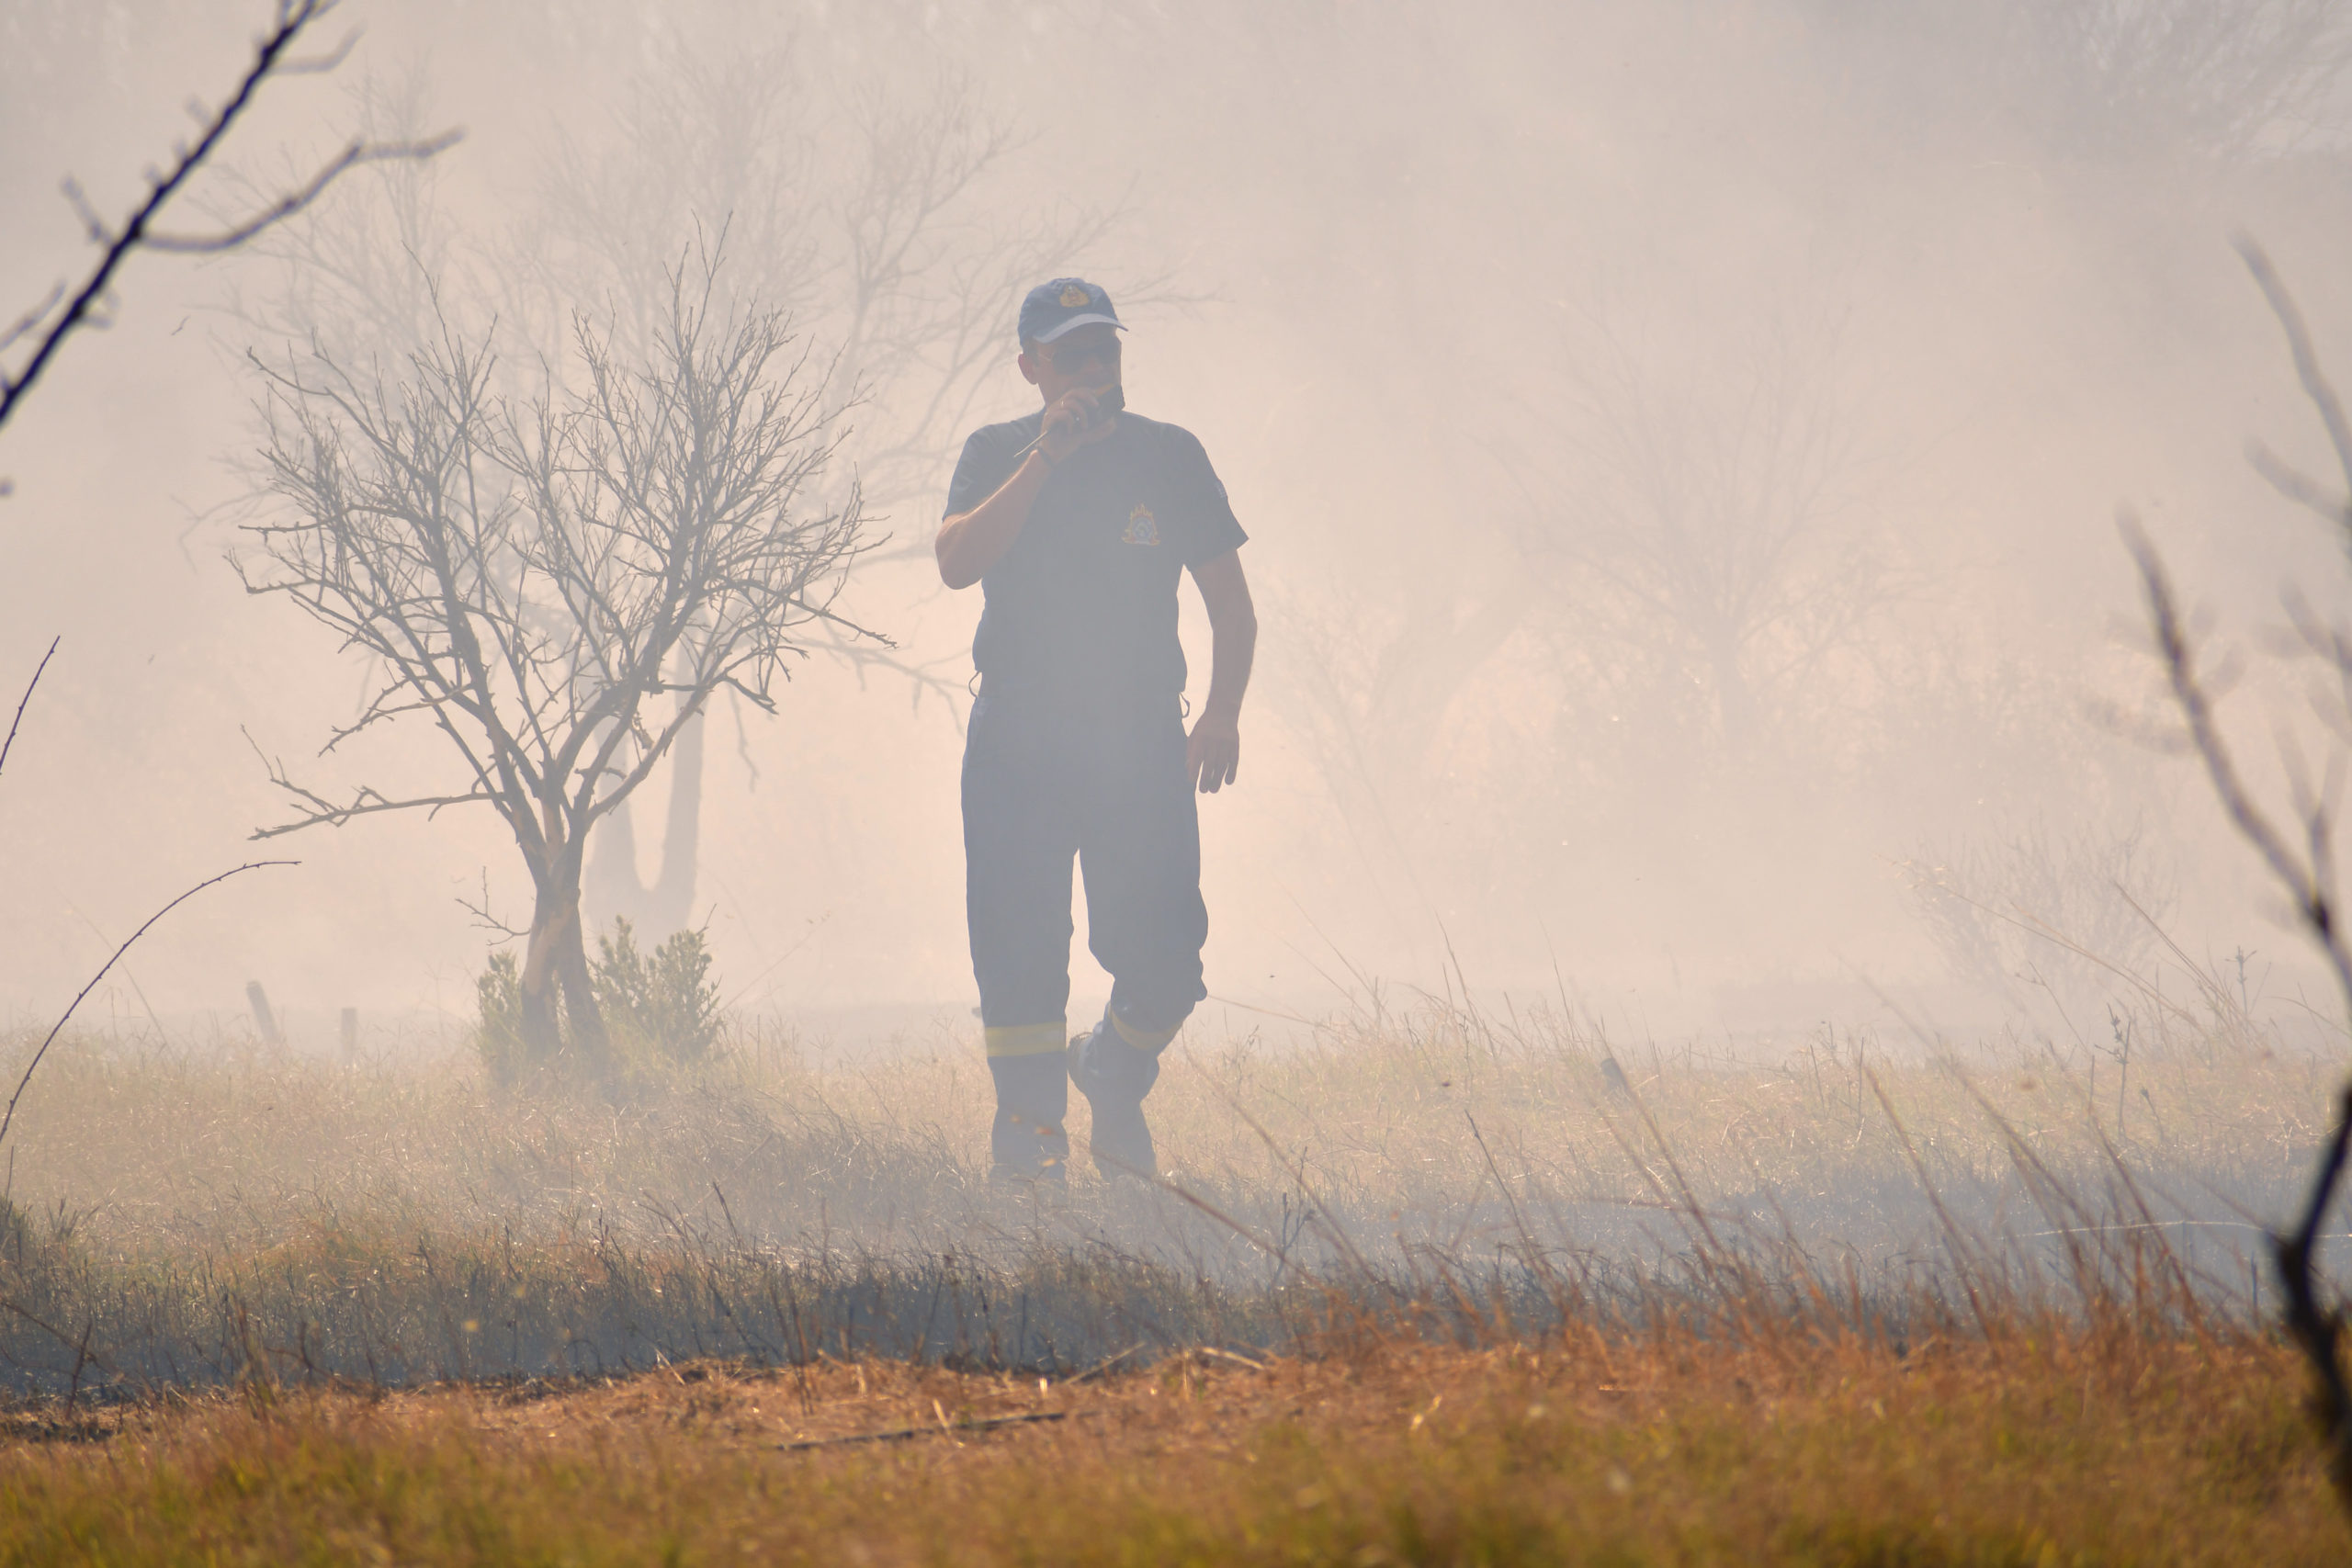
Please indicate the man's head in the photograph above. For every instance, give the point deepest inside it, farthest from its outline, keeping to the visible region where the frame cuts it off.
(1070, 337)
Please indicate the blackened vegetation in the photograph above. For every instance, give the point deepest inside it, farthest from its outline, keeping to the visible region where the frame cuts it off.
(375, 1311)
(2305, 871)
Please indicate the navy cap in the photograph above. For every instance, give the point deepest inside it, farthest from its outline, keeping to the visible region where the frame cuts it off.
(1055, 307)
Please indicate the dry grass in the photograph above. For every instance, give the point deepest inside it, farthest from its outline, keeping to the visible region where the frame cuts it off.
(1400, 1126)
(2072, 1449)
(1822, 1306)
(186, 1219)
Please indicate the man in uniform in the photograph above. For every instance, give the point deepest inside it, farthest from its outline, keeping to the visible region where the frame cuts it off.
(1078, 522)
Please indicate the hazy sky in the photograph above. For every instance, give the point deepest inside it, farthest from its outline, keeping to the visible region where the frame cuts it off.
(1680, 446)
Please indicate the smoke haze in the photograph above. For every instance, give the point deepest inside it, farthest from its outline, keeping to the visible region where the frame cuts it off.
(1680, 445)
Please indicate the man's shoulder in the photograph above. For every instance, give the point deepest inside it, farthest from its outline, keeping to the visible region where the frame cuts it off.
(1156, 429)
(1161, 436)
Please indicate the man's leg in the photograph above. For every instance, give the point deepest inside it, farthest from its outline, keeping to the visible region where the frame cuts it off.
(1018, 841)
(1140, 846)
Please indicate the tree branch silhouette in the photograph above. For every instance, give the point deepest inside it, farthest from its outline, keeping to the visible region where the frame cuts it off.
(9, 745)
(49, 325)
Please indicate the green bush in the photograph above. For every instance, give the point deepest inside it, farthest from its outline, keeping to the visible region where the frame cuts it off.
(660, 1009)
(499, 1035)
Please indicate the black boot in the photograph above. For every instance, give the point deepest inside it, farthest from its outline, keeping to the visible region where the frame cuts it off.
(1027, 1143)
(1114, 1077)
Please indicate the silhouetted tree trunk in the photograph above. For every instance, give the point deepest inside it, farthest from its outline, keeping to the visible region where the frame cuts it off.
(612, 886)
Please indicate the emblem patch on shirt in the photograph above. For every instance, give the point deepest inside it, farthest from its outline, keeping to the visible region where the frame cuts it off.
(1073, 296)
(1143, 528)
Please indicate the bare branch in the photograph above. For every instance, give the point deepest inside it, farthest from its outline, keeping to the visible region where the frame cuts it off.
(352, 157)
(6, 746)
(367, 802)
(483, 918)
(321, 64)
(2316, 388)
(32, 318)
(2302, 881)
(2298, 486)
(269, 59)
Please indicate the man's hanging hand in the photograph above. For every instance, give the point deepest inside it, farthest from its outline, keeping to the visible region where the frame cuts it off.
(1213, 752)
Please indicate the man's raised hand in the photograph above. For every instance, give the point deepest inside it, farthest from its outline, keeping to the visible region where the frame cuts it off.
(1072, 421)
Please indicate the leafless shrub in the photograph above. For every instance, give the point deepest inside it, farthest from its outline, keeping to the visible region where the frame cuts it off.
(1715, 563)
(2073, 914)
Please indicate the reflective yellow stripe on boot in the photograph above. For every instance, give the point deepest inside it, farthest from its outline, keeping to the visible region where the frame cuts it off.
(1148, 1040)
(1027, 1039)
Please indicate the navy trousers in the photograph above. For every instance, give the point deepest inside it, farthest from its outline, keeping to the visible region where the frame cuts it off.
(1046, 781)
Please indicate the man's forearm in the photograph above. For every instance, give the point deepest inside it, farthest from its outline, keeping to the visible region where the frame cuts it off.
(1233, 648)
(970, 544)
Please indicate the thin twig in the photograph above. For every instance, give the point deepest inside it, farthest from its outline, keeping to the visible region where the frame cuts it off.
(11, 741)
(906, 1433)
(352, 156)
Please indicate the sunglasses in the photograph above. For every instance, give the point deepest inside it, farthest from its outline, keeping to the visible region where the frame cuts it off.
(1069, 358)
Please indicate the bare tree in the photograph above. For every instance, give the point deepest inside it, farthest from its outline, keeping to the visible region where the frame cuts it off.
(529, 574)
(1705, 527)
(69, 307)
(1366, 689)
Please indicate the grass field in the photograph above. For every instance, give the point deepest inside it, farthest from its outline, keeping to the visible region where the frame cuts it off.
(1421, 1287)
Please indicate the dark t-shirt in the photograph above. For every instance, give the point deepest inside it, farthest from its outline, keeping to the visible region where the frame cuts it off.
(1084, 603)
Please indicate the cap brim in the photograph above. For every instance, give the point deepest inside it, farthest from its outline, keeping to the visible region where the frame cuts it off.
(1082, 321)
